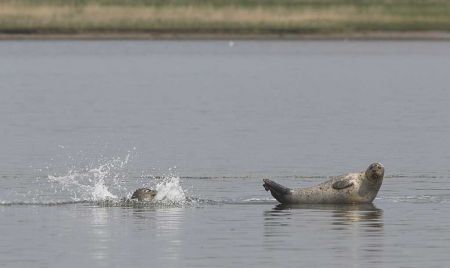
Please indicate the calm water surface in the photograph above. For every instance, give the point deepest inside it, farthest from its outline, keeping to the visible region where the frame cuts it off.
(85, 123)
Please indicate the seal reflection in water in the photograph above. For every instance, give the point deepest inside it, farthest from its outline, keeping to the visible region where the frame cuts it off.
(353, 188)
(144, 194)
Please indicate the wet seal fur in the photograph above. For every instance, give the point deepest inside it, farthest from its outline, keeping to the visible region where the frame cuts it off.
(144, 195)
(353, 188)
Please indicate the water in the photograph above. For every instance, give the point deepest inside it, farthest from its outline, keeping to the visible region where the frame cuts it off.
(86, 123)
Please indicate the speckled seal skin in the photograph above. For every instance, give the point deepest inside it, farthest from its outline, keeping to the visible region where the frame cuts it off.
(144, 195)
(353, 188)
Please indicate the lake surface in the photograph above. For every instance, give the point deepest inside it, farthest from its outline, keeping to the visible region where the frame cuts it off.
(84, 123)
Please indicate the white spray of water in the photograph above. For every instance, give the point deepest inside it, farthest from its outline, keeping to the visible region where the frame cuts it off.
(170, 191)
(105, 182)
(92, 184)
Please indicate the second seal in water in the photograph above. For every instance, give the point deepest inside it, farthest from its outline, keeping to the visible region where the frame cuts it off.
(144, 195)
(348, 189)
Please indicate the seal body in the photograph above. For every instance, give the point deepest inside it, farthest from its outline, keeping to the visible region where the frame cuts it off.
(353, 188)
(144, 194)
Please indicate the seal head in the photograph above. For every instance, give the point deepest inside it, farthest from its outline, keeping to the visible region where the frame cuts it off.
(144, 194)
(375, 172)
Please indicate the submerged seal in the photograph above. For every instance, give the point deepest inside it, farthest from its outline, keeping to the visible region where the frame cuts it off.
(144, 194)
(348, 189)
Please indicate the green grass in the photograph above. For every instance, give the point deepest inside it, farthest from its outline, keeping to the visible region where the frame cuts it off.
(223, 16)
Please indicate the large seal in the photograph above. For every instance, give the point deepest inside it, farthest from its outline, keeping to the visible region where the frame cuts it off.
(144, 195)
(353, 188)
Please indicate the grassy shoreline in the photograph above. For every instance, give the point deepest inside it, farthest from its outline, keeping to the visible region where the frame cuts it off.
(152, 19)
(379, 36)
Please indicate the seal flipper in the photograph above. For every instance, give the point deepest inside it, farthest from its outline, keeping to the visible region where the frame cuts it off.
(278, 191)
(342, 184)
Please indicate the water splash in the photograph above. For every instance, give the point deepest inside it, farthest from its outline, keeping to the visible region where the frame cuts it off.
(93, 183)
(106, 182)
(170, 191)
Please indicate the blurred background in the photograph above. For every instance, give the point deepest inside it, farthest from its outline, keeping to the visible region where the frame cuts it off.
(218, 18)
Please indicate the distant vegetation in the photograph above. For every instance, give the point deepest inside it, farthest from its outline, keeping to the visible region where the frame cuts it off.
(222, 16)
